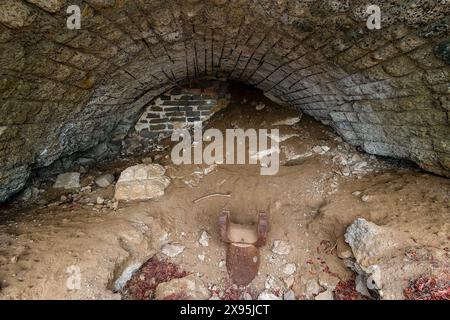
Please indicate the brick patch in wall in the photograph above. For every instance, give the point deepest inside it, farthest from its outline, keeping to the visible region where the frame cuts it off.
(181, 107)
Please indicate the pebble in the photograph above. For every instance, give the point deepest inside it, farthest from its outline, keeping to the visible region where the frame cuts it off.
(289, 269)
(204, 239)
(289, 295)
(172, 250)
(281, 247)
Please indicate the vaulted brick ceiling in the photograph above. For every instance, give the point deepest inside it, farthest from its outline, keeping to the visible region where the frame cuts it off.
(64, 91)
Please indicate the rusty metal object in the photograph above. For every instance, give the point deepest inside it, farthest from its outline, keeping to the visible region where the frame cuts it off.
(243, 246)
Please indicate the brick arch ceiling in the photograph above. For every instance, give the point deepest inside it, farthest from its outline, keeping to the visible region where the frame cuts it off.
(64, 91)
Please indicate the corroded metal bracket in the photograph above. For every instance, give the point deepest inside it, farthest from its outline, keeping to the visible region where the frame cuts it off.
(243, 246)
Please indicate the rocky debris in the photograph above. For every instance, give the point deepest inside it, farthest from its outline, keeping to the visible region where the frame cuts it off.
(104, 180)
(273, 283)
(289, 269)
(187, 288)
(141, 182)
(204, 239)
(201, 257)
(281, 247)
(172, 250)
(369, 241)
(69, 180)
(265, 295)
(288, 121)
(326, 295)
(312, 288)
(321, 149)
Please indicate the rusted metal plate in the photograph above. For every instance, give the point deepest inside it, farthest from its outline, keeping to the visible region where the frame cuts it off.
(242, 263)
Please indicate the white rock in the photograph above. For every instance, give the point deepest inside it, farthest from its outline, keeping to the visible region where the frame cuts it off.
(260, 106)
(312, 288)
(201, 257)
(104, 180)
(172, 250)
(289, 269)
(326, 295)
(268, 296)
(288, 121)
(100, 200)
(141, 182)
(281, 247)
(204, 239)
(187, 288)
(69, 180)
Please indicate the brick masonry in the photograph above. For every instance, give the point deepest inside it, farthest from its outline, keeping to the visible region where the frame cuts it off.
(181, 107)
(66, 91)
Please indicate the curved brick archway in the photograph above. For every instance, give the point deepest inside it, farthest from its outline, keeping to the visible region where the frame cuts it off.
(64, 91)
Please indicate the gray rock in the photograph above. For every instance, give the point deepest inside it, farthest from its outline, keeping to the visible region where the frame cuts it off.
(104, 180)
(69, 180)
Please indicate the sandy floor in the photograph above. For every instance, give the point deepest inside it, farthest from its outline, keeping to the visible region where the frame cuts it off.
(310, 202)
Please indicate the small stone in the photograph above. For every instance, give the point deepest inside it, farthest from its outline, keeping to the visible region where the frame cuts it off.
(289, 295)
(187, 288)
(147, 160)
(14, 259)
(281, 247)
(104, 180)
(69, 180)
(326, 295)
(366, 198)
(268, 296)
(247, 296)
(201, 257)
(289, 269)
(312, 288)
(100, 200)
(328, 281)
(204, 239)
(172, 250)
(356, 193)
(289, 281)
(360, 285)
(260, 106)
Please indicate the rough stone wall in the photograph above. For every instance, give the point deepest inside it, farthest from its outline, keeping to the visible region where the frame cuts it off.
(64, 91)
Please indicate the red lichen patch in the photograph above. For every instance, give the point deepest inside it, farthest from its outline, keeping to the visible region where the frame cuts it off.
(428, 288)
(143, 283)
(346, 290)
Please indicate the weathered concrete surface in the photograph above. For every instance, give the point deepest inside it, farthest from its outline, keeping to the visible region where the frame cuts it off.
(64, 91)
